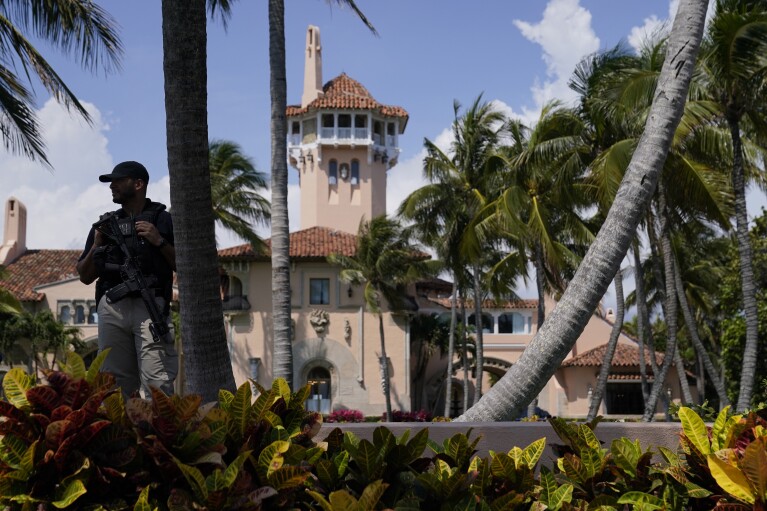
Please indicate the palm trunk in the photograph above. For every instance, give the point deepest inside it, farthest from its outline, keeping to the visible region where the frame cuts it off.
(451, 351)
(551, 344)
(642, 321)
(282, 361)
(464, 321)
(746, 268)
(480, 365)
(208, 366)
(604, 371)
(384, 363)
(540, 278)
(692, 328)
(670, 314)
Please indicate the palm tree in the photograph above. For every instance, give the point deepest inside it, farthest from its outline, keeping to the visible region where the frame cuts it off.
(44, 334)
(282, 358)
(208, 367)
(384, 262)
(79, 28)
(563, 326)
(461, 184)
(235, 184)
(736, 71)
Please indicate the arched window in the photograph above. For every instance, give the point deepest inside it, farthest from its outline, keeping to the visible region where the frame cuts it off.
(65, 316)
(512, 323)
(355, 172)
(79, 315)
(487, 323)
(332, 172)
(319, 397)
(93, 315)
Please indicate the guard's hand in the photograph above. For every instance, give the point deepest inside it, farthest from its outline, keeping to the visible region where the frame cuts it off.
(149, 232)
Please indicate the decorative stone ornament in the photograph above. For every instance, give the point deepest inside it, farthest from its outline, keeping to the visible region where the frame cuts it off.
(347, 331)
(319, 320)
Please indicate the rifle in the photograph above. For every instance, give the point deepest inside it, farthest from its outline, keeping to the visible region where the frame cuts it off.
(134, 281)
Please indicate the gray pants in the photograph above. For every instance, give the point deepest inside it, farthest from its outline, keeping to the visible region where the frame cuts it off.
(135, 359)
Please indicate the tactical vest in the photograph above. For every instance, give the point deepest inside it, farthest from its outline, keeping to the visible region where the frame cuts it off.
(151, 261)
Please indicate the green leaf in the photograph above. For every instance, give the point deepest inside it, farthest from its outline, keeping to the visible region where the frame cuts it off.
(562, 494)
(731, 479)
(368, 460)
(12, 450)
(70, 492)
(195, 479)
(271, 459)
(95, 367)
(641, 500)
(16, 383)
(142, 503)
(231, 472)
(695, 429)
(534, 451)
(343, 500)
(586, 434)
(718, 432)
(754, 464)
(371, 494)
(319, 499)
(74, 367)
(280, 388)
(239, 411)
(626, 455)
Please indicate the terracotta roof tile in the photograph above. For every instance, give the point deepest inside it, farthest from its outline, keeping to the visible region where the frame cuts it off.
(492, 304)
(37, 267)
(345, 93)
(625, 355)
(312, 243)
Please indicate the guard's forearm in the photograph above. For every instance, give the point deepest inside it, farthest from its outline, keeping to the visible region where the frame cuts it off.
(86, 267)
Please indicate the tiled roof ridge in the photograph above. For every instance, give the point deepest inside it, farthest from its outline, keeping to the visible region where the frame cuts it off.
(345, 93)
(37, 267)
(625, 355)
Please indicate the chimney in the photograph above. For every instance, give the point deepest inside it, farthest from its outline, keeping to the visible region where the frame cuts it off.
(610, 316)
(312, 66)
(15, 232)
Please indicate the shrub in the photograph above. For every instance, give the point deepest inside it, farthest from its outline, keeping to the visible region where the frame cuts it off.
(346, 416)
(400, 416)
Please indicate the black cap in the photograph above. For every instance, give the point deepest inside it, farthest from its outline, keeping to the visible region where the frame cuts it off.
(132, 169)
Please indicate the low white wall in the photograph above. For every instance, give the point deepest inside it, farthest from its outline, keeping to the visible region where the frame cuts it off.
(502, 436)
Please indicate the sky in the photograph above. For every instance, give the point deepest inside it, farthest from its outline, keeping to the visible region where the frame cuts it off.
(429, 53)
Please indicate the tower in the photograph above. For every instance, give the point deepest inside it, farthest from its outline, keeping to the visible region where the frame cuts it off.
(342, 141)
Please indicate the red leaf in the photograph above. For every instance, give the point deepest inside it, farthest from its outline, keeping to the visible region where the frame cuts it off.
(58, 380)
(61, 412)
(13, 413)
(76, 392)
(43, 397)
(57, 432)
(86, 434)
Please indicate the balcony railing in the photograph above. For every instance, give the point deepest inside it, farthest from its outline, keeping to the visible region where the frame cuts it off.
(345, 134)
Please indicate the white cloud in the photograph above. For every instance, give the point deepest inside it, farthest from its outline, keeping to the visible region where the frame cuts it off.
(652, 27)
(63, 202)
(565, 36)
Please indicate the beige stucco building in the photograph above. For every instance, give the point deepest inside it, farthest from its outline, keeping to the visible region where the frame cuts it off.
(341, 142)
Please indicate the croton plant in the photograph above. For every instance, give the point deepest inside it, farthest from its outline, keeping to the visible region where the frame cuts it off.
(72, 442)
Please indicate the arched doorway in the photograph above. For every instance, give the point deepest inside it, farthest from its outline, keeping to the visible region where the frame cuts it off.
(319, 381)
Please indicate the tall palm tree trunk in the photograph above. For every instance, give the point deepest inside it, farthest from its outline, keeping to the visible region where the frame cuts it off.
(282, 358)
(384, 363)
(692, 328)
(465, 340)
(480, 361)
(451, 350)
(208, 366)
(604, 371)
(670, 314)
(643, 321)
(540, 278)
(551, 344)
(746, 268)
